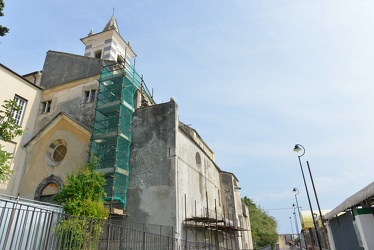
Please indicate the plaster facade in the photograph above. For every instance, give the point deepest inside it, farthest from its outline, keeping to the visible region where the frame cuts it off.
(41, 165)
(174, 180)
(15, 85)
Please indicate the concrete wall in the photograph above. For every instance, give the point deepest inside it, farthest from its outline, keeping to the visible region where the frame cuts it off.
(62, 68)
(151, 192)
(16, 85)
(173, 177)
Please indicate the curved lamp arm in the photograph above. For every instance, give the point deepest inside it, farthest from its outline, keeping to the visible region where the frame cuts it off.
(299, 147)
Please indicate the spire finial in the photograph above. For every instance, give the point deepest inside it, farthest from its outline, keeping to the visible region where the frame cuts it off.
(113, 10)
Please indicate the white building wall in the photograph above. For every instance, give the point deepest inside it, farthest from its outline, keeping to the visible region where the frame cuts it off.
(365, 225)
(204, 191)
(198, 183)
(16, 85)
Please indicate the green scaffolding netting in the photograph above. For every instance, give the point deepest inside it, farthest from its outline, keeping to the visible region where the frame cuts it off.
(111, 136)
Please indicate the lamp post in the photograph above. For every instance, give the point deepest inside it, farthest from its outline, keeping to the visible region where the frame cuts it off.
(296, 190)
(297, 203)
(297, 228)
(297, 148)
(319, 208)
(291, 228)
(296, 224)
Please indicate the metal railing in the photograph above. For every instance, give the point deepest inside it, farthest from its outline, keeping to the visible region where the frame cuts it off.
(26, 224)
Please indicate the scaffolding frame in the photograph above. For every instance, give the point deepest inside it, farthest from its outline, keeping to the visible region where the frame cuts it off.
(214, 224)
(111, 137)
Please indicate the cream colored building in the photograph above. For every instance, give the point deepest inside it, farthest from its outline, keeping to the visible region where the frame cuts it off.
(27, 95)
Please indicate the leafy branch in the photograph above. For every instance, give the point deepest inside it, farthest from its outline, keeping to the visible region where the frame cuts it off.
(9, 129)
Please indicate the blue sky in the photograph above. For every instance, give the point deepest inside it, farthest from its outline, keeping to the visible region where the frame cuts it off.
(252, 77)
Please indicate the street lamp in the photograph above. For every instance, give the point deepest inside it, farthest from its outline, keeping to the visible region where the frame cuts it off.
(291, 228)
(299, 147)
(298, 209)
(319, 208)
(296, 190)
(297, 227)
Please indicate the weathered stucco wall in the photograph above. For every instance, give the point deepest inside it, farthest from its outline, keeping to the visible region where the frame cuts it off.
(69, 98)
(173, 178)
(151, 192)
(60, 68)
(39, 165)
(198, 181)
(231, 194)
(199, 177)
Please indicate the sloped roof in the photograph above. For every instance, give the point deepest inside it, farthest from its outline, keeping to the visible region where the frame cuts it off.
(354, 200)
(112, 24)
(54, 120)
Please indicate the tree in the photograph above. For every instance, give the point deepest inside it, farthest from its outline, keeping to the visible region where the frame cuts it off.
(82, 199)
(3, 30)
(263, 226)
(82, 195)
(8, 131)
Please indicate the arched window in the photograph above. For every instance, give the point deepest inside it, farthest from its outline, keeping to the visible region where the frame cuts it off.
(48, 188)
(198, 159)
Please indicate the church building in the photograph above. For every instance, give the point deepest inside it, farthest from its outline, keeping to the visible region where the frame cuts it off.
(158, 170)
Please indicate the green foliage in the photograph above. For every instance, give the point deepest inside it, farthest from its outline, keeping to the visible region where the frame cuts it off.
(8, 131)
(5, 171)
(79, 233)
(82, 197)
(8, 127)
(263, 226)
(3, 30)
(83, 194)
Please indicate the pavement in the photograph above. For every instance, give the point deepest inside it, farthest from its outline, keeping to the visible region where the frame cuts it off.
(291, 248)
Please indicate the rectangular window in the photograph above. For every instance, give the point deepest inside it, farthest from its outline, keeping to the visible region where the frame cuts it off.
(89, 96)
(18, 115)
(46, 106)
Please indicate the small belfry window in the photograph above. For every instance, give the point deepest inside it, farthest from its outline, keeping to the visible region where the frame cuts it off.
(46, 106)
(89, 96)
(18, 115)
(120, 60)
(98, 54)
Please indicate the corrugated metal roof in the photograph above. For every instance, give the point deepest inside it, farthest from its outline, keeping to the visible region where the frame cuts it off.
(354, 200)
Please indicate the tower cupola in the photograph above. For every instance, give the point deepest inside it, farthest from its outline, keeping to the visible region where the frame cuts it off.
(108, 44)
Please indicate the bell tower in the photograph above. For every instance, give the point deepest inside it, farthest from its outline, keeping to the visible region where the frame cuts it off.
(108, 44)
